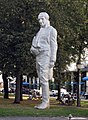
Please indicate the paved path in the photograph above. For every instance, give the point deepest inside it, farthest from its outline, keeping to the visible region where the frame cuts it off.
(42, 118)
(33, 118)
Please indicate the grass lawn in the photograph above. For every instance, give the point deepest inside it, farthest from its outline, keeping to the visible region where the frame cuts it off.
(26, 108)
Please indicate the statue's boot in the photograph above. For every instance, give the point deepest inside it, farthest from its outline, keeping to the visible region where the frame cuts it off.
(45, 97)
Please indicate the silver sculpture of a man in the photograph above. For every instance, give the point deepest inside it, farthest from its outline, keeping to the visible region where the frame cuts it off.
(44, 47)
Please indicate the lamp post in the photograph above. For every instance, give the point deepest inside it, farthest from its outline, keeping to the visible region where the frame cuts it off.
(78, 79)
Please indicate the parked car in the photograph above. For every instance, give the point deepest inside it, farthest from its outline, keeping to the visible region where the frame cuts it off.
(86, 95)
(9, 90)
(53, 93)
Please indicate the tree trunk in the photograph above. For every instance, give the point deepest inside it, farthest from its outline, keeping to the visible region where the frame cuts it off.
(21, 78)
(59, 78)
(59, 65)
(5, 81)
(17, 92)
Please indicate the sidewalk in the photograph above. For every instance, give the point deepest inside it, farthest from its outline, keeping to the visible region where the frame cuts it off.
(33, 118)
(42, 118)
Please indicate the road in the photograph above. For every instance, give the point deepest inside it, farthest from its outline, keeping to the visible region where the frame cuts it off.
(42, 118)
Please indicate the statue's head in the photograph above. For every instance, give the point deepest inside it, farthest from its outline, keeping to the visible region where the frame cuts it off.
(43, 14)
(43, 18)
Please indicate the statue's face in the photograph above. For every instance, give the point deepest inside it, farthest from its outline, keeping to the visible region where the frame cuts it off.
(42, 21)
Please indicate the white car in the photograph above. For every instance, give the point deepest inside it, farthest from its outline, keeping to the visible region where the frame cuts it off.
(2, 89)
(55, 92)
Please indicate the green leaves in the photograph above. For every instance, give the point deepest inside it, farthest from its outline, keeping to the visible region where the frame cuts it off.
(18, 25)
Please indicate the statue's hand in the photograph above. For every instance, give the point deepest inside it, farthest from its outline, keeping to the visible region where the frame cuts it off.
(51, 64)
(31, 50)
(34, 51)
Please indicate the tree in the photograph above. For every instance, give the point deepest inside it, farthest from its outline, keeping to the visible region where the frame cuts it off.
(68, 17)
(14, 39)
(17, 29)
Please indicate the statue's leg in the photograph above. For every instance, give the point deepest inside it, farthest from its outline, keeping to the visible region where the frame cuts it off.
(45, 97)
(43, 76)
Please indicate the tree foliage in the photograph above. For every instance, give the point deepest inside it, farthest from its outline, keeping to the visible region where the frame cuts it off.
(19, 24)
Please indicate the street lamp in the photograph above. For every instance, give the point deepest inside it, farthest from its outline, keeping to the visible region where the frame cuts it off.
(79, 66)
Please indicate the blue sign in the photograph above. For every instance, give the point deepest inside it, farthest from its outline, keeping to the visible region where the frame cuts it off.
(85, 78)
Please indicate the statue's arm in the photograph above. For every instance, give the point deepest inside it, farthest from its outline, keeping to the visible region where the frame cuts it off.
(53, 45)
